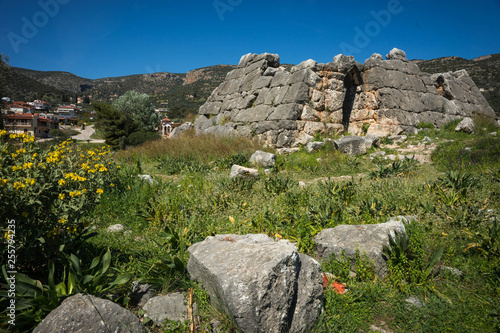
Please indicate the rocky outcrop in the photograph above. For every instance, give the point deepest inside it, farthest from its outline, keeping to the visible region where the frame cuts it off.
(238, 171)
(86, 313)
(266, 286)
(367, 239)
(281, 108)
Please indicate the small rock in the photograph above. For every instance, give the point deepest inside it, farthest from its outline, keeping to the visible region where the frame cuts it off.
(451, 270)
(148, 179)
(493, 133)
(141, 293)
(466, 125)
(287, 151)
(267, 172)
(115, 228)
(238, 171)
(414, 301)
(398, 138)
(263, 159)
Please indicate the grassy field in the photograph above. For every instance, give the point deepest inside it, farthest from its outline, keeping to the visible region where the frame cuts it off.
(456, 200)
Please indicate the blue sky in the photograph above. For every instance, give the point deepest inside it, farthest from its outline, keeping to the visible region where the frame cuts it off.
(105, 38)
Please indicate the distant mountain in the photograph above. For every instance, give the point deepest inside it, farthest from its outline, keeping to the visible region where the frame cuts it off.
(185, 93)
(485, 71)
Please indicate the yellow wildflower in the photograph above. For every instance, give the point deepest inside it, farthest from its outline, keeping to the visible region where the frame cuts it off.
(14, 155)
(112, 185)
(30, 181)
(62, 221)
(6, 235)
(17, 167)
(62, 196)
(61, 182)
(3, 181)
(99, 191)
(27, 165)
(19, 185)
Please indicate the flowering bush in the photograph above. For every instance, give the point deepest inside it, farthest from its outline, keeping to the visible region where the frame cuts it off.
(48, 191)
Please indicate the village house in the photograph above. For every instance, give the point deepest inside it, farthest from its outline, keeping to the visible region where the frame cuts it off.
(21, 107)
(32, 123)
(41, 105)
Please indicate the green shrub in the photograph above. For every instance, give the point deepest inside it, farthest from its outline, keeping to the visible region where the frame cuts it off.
(48, 192)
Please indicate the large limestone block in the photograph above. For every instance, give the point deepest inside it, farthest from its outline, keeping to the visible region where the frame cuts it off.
(85, 313)
(368, 238)
(265, 285)
(396, 54)
(297, 93)
(258, 113)
(286, 112)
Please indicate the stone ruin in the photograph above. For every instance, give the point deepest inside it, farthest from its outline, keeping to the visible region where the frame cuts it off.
(286, 108)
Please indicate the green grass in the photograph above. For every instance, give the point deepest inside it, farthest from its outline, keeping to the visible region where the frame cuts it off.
(194, 199)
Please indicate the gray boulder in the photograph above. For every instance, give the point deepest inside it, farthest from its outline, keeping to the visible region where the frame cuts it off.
(171, 307)
(466, 125)
(178, 131)
(396, 54)
(352, 145)
(85, 313)
(238, 171)
(368, 238)
(263, 159)
(265, 285)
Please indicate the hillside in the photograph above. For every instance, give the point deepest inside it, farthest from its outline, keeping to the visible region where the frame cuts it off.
(485, 71)
(183, 93)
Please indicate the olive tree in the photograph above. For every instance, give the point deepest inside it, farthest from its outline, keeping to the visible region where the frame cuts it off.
(140, 108)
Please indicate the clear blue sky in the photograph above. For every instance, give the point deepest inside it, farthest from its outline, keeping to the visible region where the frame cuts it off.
(96, 39)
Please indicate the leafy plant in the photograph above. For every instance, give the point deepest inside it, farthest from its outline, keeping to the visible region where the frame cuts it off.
(278, 184)
(34, 300)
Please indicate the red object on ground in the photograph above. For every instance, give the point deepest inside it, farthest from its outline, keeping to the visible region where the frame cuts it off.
(338, 287)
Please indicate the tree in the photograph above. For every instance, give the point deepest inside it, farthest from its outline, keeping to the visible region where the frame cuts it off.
(140, 108)
(115, 125)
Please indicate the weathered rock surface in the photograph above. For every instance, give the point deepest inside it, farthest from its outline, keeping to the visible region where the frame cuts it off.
(171, 307)
(367, 238)
(266, 286)
(238, 171)
(85, 313)
(285, 108)
(466, 125)
(315, 146)
(263, 159)
(181, 129)
(351, 145)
